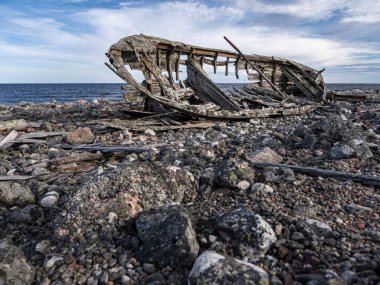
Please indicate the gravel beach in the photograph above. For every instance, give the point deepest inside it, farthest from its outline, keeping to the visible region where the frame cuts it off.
(192, 208)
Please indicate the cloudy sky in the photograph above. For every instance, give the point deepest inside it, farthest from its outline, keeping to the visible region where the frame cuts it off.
(50, 41)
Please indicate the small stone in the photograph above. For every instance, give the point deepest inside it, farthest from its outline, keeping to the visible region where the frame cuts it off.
(243, 185)
(149, 268)
(261, 188)
(103, 278)
(81, 136)
(341, 151)
(265, 155)
(155, 279)
(149, 132)
(278, 229)
(46, 126)
(48, 201)
(212, 238)
(282, 251)
(39, 171)
(50, 262)
(43, 246)
(125, 279)
(214, 144)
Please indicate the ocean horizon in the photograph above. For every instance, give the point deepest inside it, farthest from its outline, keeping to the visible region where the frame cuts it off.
(16, 93)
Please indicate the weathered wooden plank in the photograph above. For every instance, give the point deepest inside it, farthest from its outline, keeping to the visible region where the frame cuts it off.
(318, 172)
(304, 86)
(6, 141)
(205, 88)
(15, 177)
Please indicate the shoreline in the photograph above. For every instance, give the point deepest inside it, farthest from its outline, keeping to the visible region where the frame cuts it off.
(88, 215)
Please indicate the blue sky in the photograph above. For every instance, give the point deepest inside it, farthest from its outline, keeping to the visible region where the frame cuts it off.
(65, 41)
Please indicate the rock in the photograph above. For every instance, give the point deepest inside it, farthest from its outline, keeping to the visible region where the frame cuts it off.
(341, 151)
(266, 155)
(260, 188)
(247, 227)
(46, 126)
(243, 185)
(39, 171)
(14, 194)
(149, 133)
(30, 214)
(212, 268)
(276, 175)
(319, 228)
(304, 212)
(354, 208)
(49, 201)
(81, 136)
(14, 269)
(167, 236)
(125, 191)
(149, 268)
(43, 246)
(232, 171)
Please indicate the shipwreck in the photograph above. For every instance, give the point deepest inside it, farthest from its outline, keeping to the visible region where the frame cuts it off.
(276, 86)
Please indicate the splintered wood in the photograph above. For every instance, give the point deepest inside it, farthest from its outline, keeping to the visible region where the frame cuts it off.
(276, 86)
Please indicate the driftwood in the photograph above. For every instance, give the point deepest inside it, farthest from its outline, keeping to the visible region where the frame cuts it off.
(110, 149)
(6, 141)
(15, 177)
(311, 171)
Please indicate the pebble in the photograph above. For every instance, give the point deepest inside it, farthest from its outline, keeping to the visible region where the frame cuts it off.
(149, 268)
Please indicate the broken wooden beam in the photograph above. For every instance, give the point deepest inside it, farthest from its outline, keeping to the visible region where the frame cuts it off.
(257, 69)
(319, 172)
(7, 140)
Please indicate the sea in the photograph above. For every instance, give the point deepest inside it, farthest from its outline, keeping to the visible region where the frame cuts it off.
(11, 94)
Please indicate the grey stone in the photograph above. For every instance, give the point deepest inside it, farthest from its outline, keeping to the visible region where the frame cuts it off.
(48, 201)
(341, 151)
(276, 175)
(149, 268)
(246, 227)
(212, 268)
(14, 194)
(30, 214)
(265, 155)
(232, 171)
(167, 236)
(14, 269)
(260, 188)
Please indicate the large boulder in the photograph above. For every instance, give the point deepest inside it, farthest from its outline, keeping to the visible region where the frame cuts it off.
(14, 194)
(14, 269)
(110, 200)
(248, 228)
(212, 268)
(167, 236)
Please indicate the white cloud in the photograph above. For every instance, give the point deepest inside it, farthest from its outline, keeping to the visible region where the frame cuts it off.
(61, 56)
(358, 11)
